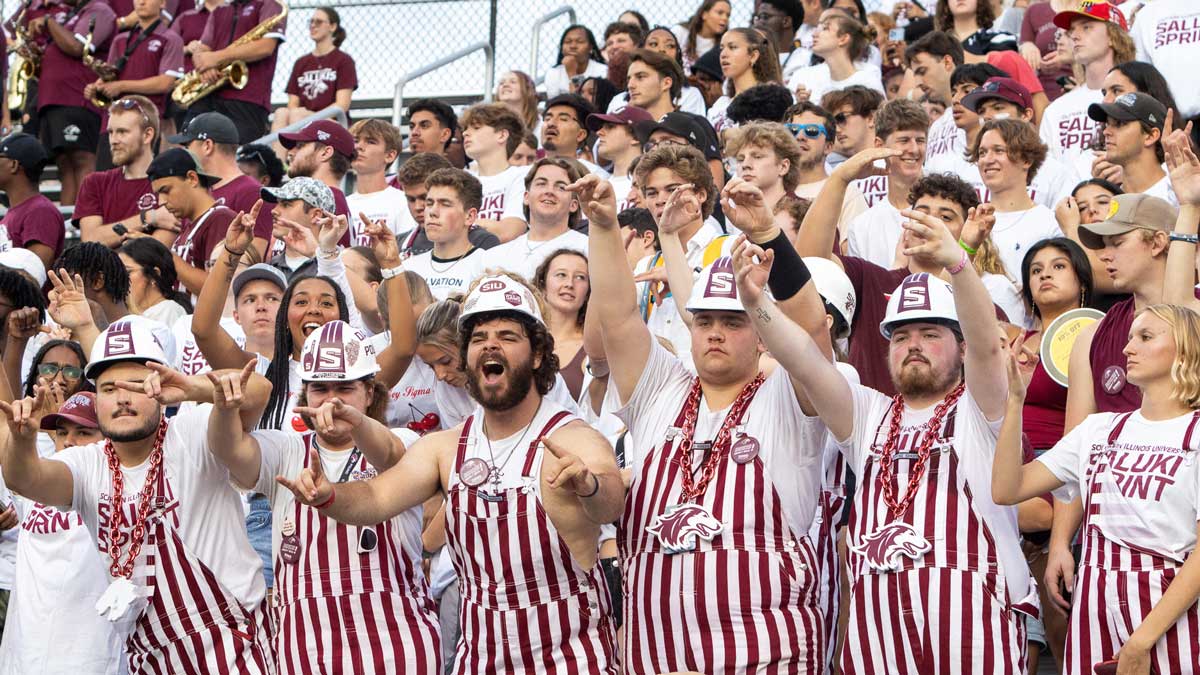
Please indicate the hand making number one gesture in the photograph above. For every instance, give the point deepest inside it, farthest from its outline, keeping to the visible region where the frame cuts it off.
(564, 470)
(311, 487)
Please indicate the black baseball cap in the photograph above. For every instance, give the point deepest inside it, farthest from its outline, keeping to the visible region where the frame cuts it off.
(709, 63)
(209, 126)
(25, 149)
(692, 128)
(176, 163)
(1130, 107)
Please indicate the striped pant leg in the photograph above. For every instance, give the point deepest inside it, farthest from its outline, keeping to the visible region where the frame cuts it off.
(884, 631)
(1178, 650)
(1092, 635)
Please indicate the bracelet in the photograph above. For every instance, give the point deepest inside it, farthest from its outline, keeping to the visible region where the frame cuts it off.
(970, 251)
(595, 489)
(327, 502)
(1189, 238)
(331, 253)
(788, 274)
(235, 254)
(391, 272)
(962, 264)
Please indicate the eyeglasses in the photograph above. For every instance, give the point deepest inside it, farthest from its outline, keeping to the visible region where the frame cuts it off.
(254, 155)
(368, 540)
(650, 145)
(809, 130)
(49, 370)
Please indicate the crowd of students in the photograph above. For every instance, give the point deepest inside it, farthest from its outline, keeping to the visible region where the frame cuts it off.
(893, 363)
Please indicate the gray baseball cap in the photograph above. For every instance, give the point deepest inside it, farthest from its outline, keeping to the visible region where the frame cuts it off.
(310, 190)
(258, 272)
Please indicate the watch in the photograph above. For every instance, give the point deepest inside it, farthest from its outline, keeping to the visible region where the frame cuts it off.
(391, 272)
(1189, 238)
(120, 230)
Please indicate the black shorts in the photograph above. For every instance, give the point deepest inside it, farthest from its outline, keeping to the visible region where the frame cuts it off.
(62, 128)
(250, 119)
(612, 575)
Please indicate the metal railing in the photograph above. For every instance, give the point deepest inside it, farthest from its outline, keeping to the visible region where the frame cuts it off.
(331, 112)
(489, 75)
(536, 42)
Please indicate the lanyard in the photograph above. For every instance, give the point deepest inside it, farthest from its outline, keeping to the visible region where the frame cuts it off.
(351, 462)
(135, 43)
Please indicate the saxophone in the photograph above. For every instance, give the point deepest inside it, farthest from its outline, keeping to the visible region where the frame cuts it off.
(105, 71)
(192, 87)
(27, 61)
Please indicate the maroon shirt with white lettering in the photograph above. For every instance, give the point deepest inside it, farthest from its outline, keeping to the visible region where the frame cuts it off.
(317, 79)
(35, 220)
(239, 194)
(159, 54)
(62, 77)
(189, 26)
(113, 197)
(228, 23)
(196, 245)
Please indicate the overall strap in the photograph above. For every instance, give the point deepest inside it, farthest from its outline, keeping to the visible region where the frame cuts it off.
(462, 444)
(1120, 426)
(1187, 436)
(532, 452)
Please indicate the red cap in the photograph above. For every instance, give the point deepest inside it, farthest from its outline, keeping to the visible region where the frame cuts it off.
(80, 409)
(1100, 10)
(628, 115)
(322, 131)
(1004, 88)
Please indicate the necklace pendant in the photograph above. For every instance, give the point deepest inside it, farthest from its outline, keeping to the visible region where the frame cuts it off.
(681, 527)
(121, 596)
(885, 548)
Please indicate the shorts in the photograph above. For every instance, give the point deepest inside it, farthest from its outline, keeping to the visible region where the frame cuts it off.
(612, 574)
(258, 530)
(63, 128)
(249, 118)
(1035, 630)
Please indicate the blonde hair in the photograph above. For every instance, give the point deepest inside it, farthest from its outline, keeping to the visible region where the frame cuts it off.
(773, 136)
(987, 259)
(1185, 370)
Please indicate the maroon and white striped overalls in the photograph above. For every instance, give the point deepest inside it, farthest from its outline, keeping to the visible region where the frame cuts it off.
(527, 606)
(1119, 585)
(746, 601)
(192, 624)
(948, 610)
(824, 534)
(341, 611)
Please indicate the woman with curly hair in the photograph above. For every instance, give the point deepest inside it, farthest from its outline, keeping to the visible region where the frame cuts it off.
(578, 57)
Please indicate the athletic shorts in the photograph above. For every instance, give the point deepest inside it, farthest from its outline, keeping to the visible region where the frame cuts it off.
(63, 128)
(250, 119)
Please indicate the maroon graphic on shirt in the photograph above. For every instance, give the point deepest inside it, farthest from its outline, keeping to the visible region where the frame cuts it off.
(317, 79)
(113, 197)
(1144, 471)
(159, 54)
(35, 220)
(231, 21)
(1177, 30)
(62, 77)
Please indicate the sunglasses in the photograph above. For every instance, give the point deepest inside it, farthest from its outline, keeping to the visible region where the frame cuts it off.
(254, 155)
(809, 130)
(368, 540)
(49, 370)
(130, 104)
(840, 118)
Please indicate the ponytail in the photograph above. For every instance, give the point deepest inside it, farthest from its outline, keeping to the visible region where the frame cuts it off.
(159, 267)
(339, 33)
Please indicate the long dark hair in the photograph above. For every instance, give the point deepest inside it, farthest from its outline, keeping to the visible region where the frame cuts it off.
(339, 33)
(159, 267)
(32, 377)
(593, 46)
(1079, 261)
(693, 27)
(1149, 80)
(278, 371)
(985, 16)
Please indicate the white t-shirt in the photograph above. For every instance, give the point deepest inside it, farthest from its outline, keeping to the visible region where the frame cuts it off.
(166, 312)
(874, 235)
(448, 276)
(190, 360)
(388, 205)
(716, 114)
(791, 444)
(1016, 231)
(558, 82)
(284, 454)
(690, 101)
(1005, 295)
(1151, 485)
(854, 204)
(1167, 35)
(503, 194)
(1067, 130)
(974, 445)
(1053, 181)
(1163, 190)
(412, 397)
(203, 506)
(944, 138)
(523, 256)
(819, 80)
(622, 186)
(874, 189)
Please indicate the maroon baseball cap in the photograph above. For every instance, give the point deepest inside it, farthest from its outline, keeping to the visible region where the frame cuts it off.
(322, 131)
(629, 115)
(1004, 88)
(80, 409)
(1099, 10)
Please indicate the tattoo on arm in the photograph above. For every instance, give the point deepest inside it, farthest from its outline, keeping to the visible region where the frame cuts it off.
(763, 315)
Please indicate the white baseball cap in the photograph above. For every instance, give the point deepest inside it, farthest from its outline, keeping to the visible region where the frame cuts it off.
(337, 352)
(500, 293)
(124, 340)
(716, 289)
(834, 287)
(920, 297)
(24, 260)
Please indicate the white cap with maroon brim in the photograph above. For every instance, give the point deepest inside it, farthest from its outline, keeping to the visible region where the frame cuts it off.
(500, 293)
(716, 289)
(124, 340)
(920, 298)
(337, 352)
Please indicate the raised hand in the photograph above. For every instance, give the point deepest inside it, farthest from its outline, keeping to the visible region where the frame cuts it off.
(564, 470)
(1016, 379)
(297, 236)
(751, 267)
(53, 395)
(746, 208)
(1067, 213)
(978, 226)
(929, 240)
(311, 487)
(24, 323)
(1182, 163)
(229, 387)
(240, 234)
(165, 385)
(383, 241)
(330, 411)
(68, 304)
(23, 416)
(849, 169)
(331, 228)
(597, 199)
(682, 207)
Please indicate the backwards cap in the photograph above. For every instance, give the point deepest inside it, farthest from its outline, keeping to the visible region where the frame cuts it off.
(500, 293)
(920, 297)
(337, 352)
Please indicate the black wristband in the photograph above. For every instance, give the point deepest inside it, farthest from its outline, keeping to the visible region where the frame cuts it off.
(788, 272)
(595, 489)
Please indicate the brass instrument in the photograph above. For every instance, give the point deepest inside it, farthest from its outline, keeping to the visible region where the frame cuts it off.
(27, 62)
(105, 71)
(192, 87)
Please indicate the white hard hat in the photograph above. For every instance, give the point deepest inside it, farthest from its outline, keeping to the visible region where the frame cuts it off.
(337, 352)
(834, 287)
(500, 293)
(716, 289)
(124, 340)
(920, 297)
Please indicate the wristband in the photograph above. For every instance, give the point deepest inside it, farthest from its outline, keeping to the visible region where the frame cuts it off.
(331, 253)
(788, 273)
(962, 264)
(595, 489)
(1189, 238)
(970, 251)
(327, 502)
(391, 272)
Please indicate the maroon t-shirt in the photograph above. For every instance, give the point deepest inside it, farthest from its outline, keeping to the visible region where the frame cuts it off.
(63, 78)
(190, 27)
(1112, 390)
(262, 226)
(239, 194)
(125, 7)
(317, 79)
(1038, 27)
(159, 54)
(228, 23)
(37, 10)
(35, 220)
(196, 242)
(113, 197)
